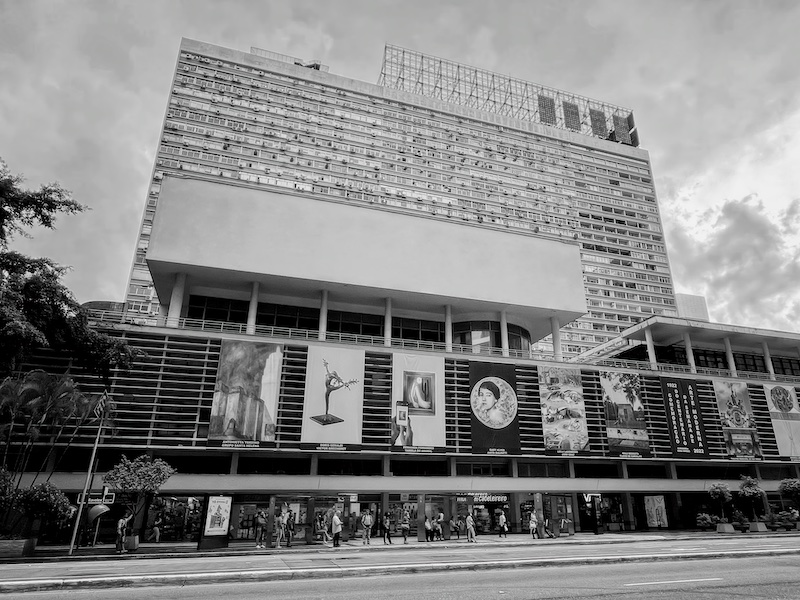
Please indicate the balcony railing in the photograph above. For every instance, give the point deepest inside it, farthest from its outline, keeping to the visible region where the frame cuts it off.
(110, 317)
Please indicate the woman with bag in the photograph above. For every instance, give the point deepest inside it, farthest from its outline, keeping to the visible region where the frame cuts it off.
(405, 525)
(502, 524)
(533, 525)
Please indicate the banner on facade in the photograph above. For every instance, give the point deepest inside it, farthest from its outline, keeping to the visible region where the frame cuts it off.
(245, 404)
(563, 410)
(736, 415)
(418, 422)
(334, 399)
(626, 426)
(684, 419)
(493, 400)
(785, 415)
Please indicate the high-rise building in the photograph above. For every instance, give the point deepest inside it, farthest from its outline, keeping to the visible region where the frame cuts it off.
(435, 140)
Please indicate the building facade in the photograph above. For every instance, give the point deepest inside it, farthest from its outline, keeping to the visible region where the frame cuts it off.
(433, 139)
(343, 291)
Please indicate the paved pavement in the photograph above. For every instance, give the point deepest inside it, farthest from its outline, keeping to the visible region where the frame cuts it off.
(181, 564)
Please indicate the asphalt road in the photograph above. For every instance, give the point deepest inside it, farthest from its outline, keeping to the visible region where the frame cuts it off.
(743, 578)
(403, 559)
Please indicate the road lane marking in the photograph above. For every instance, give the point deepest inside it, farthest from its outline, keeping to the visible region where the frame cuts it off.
(674, 581)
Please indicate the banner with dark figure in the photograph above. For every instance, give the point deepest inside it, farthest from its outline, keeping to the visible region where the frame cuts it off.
(686, 431)
(493, 400)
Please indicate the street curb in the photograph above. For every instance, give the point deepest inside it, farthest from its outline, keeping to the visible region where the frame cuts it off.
(182, 579)
(571, 541)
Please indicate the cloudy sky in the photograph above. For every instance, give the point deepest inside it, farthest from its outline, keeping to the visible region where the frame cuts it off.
(714, 85)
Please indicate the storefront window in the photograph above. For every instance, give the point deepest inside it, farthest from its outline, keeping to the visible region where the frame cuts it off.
(179, 517)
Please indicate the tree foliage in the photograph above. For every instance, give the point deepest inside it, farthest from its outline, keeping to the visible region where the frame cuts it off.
(790, 488)
(36, 309)
(137, 478)
(721, 493)
(749, 487)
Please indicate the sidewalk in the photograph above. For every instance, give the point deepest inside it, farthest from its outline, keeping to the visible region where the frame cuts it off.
(101, 567)
(246, 547)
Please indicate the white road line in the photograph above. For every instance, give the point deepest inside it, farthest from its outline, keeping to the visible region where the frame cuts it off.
(673, 581)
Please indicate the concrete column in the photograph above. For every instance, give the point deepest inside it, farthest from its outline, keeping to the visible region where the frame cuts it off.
(689, 352)
(627, 512)
(624, 470)
(234, 463)
(515, 514)
(448, 328)
(768, 360)
(323, 315)
(252, 309)
(176, 300)
(504, 332)
(555, 327)
(451, 464)
(387, 465)
(673, 471)
(651, 349)
(387, 323)
(314, 464)
(514, 468)
(729, 356)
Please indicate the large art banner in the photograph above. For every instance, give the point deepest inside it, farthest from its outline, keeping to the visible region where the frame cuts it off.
(563, 410)
(418, 422)
(736, 414)
(685, 422)
(334, 399)
(785, 415)
(626, 426)
(245, 403)
(493, 399)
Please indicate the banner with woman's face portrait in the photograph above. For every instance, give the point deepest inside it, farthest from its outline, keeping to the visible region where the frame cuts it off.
(494, 408)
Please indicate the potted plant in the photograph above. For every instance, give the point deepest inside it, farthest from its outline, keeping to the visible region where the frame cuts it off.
(135, 480)
(704, 521)
(790, 488)
(740, 521)
(749, 489)
(31, 507)
(722, 494)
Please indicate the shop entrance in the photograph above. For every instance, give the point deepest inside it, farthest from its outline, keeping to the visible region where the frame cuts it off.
(558, 517)
(486, 510)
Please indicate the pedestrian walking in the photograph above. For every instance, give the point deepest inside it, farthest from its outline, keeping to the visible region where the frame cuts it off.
(336, 528)
(439, 526)
(366, 522)
(387, 528)
(279, 531)
(261, 529)
(533, 526)
(405, 525)
(502, 524)
(155, 533)
(471, 529)
(122, 526)
(428, 530)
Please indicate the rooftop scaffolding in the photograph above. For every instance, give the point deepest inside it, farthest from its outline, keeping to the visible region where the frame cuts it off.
(453, 82)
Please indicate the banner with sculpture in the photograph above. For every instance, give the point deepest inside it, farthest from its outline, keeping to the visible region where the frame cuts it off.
(626, 425)
(418, 422)
(563, 410)
(785, 415)
(736, 415)
(245, 404)
(493, 400)
(334, 399)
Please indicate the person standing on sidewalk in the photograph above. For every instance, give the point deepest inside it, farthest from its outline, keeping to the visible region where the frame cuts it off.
(122, 526)
(261, 529)
(336, 528)
(156, 531)
(502, 523)
(405, 525)
(387, 528)
(289, 528)
(471, 529)
(366, 523)
(280, 533)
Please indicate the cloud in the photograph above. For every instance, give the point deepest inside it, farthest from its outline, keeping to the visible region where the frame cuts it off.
(746, 266)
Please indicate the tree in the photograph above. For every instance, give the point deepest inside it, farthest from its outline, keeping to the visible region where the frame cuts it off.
(749, 488)
(135, 479)
(36, 309)
(790, 488)
(722, 494)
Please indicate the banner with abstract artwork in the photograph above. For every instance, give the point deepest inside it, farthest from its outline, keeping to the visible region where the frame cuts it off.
(334, 399)
(563, 410)
(245, 404)
(655, 509)
(626, 426)
(418, 422)
(785, 415)
(685, 422)
(736, 414)
(493, 400)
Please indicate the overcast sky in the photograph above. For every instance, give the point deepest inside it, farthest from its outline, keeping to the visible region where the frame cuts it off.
(714, 86)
